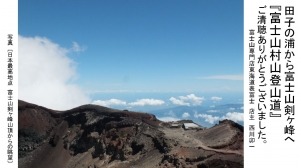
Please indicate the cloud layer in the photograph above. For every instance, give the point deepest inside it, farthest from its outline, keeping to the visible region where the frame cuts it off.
(178, 102)
(168, 119)
(150, 102)
(234, 116)
(108, 103)
(45, 75)
(139, 102)
(187, 100)
(215, 98)
(208, 118)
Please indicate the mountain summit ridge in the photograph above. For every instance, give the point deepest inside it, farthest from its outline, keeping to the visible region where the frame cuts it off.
(93, 136)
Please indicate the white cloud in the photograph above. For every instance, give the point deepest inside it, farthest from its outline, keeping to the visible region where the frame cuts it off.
(225, 77)
(212, 111)
(242, 108)
(46, 74)
(178, 102)
(231, 108)
(77, 48)
(212, 106)
(108, 103)
(191, 98)
(215, 98)
(194, 99)
(150, 102)
(208, 118)
(185, 115)
(168, 119)
(234, 116)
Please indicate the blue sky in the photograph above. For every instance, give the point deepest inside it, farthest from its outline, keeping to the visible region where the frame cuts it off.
(108, 49)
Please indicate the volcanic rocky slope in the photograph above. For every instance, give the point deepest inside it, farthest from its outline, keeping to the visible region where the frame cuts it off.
(92, 136)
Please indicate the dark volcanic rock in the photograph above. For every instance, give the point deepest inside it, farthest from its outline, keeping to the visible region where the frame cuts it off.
(95, 136)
